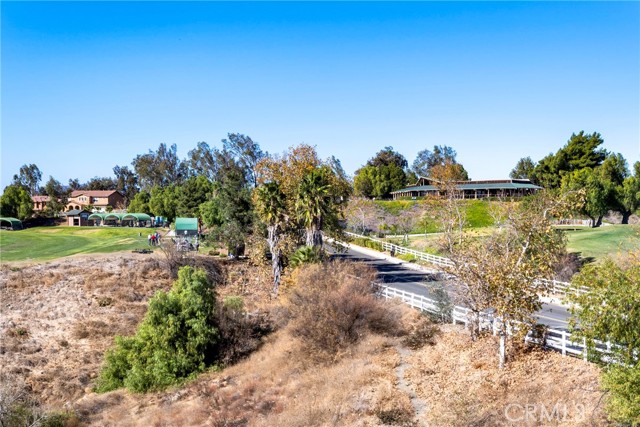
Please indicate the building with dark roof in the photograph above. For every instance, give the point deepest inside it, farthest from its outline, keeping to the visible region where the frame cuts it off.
(469, 189)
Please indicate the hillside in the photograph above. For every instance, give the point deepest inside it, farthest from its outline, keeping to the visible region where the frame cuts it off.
(60, 317)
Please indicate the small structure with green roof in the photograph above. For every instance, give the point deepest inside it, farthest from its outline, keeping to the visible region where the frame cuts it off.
(186, 227)
(10, 223)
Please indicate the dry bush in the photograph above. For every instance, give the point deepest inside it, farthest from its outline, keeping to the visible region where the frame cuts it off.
(334, 304)
(421, 334)
(240, 333)
(394, 408)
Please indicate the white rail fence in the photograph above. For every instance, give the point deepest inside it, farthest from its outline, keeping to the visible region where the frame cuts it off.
(554, 286)
(555, 339)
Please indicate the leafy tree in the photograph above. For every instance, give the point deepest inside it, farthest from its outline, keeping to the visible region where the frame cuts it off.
(202, 161)
(441, 154)
(581, 151)
(126, 182)
(610, 312)
(29, 177)
(176, 340)
(16, 202)
(160, 168)
(498, 272)
(164, 202)
(523, 169)
(372, 181)
(597, 193)
(629, 195)
(230, 211)
(271, 206)
(100, 183)
(386, 157)
(192, 193)
(74, 184)
(140, 203)
(247, 153)
(57, 196)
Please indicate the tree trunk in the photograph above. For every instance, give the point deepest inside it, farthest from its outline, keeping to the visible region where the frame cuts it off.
(599, 221)
(503, 349)
(314, 237)
(276, 258)
(625, 217)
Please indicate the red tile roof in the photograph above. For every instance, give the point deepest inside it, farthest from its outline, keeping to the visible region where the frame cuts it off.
(41, 198)
(93, 193)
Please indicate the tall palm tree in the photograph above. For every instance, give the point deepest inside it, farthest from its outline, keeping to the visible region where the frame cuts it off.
(314, 204)
(272, 209)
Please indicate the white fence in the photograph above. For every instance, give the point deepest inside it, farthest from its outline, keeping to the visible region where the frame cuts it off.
(386, 246)
(555, 339)
(555, 287)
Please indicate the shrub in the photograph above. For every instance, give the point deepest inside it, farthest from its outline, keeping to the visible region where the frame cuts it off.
(240, 333)
(305, 255)
(407, 257)
(175, 340)
(423, 333)
(334, 304)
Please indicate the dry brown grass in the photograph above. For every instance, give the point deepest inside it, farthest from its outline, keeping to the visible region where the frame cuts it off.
(67, 331)
(460, 380)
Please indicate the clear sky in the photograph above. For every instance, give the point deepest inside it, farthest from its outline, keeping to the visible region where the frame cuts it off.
(88, 85)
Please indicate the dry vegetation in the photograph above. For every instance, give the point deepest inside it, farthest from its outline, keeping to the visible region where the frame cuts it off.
(391, 368)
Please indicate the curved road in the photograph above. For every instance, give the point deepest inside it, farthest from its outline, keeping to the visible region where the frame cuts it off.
(418, 282)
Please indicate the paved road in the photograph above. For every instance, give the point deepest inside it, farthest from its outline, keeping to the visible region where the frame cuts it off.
(419, 282)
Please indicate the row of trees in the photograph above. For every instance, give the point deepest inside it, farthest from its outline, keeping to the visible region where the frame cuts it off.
(388, 170)
(583, 165)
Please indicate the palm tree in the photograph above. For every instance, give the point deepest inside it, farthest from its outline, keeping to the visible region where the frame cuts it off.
(314, 205)
(271, 207)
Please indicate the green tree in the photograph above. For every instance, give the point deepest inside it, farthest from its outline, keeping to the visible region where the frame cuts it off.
(383, 173)
(202, 161)
(246, 153)
(16, 202)
(164, 202)
(597, 193)
(126, 182)
(191, 194)
(580, 152)
(100, 183)
(57, 196)
(230, 211)
(29, 177)
(523, 169)
(175, 341)
(610, 311)
(160, 168)
(441, 155)
(140, 203)
(629, 195)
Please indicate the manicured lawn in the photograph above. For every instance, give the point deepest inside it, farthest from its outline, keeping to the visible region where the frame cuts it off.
(602, 241)
(45, 243)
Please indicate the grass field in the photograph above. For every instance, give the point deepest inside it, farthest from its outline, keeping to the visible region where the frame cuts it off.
(602, 241)
(477, 213)
(45, 243)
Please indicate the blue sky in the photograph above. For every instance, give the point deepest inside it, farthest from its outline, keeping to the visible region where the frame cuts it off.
(88, 85)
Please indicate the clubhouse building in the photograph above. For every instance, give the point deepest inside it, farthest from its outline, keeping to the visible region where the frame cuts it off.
(507, 188)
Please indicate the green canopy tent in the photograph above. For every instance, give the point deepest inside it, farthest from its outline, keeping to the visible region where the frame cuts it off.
(135, 219)
(10, 223)
(97, 218)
